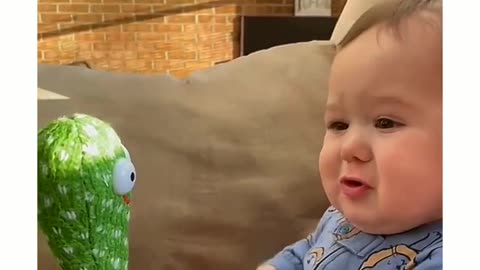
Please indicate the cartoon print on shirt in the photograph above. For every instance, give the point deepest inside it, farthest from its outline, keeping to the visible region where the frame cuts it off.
(401, 256)
(314, 257)
(345, 231)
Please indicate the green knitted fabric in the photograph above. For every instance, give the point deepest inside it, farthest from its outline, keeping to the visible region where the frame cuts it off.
(84, 172)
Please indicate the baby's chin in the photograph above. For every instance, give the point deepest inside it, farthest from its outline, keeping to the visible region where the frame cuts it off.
(377, 225)
(382, 228)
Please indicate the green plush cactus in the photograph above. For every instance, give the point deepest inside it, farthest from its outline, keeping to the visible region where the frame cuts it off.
(85, 179)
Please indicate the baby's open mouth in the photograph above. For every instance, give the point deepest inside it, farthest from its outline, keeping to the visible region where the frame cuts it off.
(352, 183)
(354, 188)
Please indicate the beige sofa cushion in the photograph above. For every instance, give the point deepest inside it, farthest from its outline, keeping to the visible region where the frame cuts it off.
(352, 12)
(226, 160)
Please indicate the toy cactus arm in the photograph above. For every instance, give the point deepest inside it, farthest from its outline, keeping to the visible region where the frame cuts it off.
(85, 178)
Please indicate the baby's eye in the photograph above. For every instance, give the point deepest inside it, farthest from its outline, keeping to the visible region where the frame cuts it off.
(338, 125)
(385, 123)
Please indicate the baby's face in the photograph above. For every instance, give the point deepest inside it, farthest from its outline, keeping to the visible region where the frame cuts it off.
(381, 163)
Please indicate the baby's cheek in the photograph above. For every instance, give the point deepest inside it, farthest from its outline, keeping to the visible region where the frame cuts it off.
(414, 186)
(406, 169)
(329, 162)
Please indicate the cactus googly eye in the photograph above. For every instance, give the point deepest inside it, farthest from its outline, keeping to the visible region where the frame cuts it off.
(124, 176)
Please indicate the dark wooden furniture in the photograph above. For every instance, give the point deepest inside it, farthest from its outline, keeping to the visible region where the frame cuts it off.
(263, 32)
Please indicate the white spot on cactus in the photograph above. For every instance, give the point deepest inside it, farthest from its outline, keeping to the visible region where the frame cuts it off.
(117, 234)
(99, 229)
(102, 253)
(89, 197)
(47, 201)
(63, 156)
(71, 215)
(113, 137)
(93, 121)
(106, 179)
(108, 203)
(128, 215)
(43, 169)
(95, 252)
(119, 209)
(116, 263)
(62, 119)
(68, 250)
(91, 150)
(111, 150)
(62, 189)
(84, 236)
(91, 131)
(125, 241)
(74, 129)
(111, 134)
(57, 231)
(79, 115)
(50, 140)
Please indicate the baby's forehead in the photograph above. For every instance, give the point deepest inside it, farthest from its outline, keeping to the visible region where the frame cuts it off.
(420, 30)
(402, 54)
(387, 64)
(394, 16)
(416, 42)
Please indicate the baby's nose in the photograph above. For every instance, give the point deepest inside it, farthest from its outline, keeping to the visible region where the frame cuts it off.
(356, 147)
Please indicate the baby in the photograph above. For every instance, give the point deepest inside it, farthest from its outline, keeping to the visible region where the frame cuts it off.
(381, 163)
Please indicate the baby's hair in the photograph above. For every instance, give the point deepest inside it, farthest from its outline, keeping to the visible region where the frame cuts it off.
(392, 13)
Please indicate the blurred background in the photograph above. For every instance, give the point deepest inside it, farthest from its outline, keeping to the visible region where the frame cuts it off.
(173, 37)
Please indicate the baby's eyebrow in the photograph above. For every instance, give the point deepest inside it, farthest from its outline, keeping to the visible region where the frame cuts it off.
(389, 100)
(376, 100)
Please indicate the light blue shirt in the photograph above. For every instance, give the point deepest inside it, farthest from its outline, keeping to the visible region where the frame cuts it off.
(337, 245)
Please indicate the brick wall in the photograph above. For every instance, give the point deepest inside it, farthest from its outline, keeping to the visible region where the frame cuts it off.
(148, 36)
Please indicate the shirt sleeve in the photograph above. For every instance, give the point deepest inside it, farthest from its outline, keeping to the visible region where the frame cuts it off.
(291, 257)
